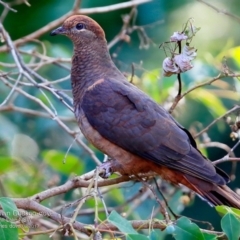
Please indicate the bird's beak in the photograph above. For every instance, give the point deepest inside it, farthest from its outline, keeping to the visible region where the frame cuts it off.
(58, 31)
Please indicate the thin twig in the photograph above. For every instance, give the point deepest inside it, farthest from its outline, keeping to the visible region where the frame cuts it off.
(223, 146)
(163, 209)
(164, 199)
(7, 6)
(235, 108)
(36, 113)
(227, 159)
(235, 17)
(57, 119)
(60, 20)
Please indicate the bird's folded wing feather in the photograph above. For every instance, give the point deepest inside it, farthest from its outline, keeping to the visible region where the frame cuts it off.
(126, 116)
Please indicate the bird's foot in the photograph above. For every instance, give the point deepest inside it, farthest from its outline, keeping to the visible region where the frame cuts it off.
(105, 170)
(108, 168)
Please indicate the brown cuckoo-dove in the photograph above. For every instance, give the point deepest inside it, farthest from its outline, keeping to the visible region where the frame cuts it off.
(127, 125)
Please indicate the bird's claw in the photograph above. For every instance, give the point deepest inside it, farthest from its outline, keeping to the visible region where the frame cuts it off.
(105, 170)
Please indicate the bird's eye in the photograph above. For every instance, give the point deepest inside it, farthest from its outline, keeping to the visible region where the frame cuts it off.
(80, 26)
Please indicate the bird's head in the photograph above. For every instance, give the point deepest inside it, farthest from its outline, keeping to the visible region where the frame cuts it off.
(80, 29)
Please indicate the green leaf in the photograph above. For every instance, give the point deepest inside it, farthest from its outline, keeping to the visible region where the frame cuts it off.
(6, 163)
(8, 230)
(121, 223)
(55, 160)
(208, 236)
(9, 207)
(234, 53)
(222, 210)
(231, 226)
(136, 237)
(186, 230)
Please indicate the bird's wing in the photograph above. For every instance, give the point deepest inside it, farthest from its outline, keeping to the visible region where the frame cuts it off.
(126, 116)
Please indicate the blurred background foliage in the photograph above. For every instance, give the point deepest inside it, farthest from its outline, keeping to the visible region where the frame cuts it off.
(33, 148)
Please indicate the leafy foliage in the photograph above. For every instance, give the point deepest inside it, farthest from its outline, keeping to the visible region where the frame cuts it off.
(8, 229)
(230, 225)
(125, 227)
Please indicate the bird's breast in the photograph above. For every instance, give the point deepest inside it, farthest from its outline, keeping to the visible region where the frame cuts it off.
(129, 164)
(93, 136)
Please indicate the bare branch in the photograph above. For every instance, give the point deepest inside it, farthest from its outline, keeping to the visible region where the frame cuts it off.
(223, 146)
(76, 5)
(227, 159)
(60, 20)
(13, 108)
(7, 6)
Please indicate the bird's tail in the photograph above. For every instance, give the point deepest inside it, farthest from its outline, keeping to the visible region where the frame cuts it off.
(215, 194)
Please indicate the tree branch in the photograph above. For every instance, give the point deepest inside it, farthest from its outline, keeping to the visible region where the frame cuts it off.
(60, 20)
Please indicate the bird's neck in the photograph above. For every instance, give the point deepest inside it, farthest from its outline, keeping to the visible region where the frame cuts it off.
(89, 64)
